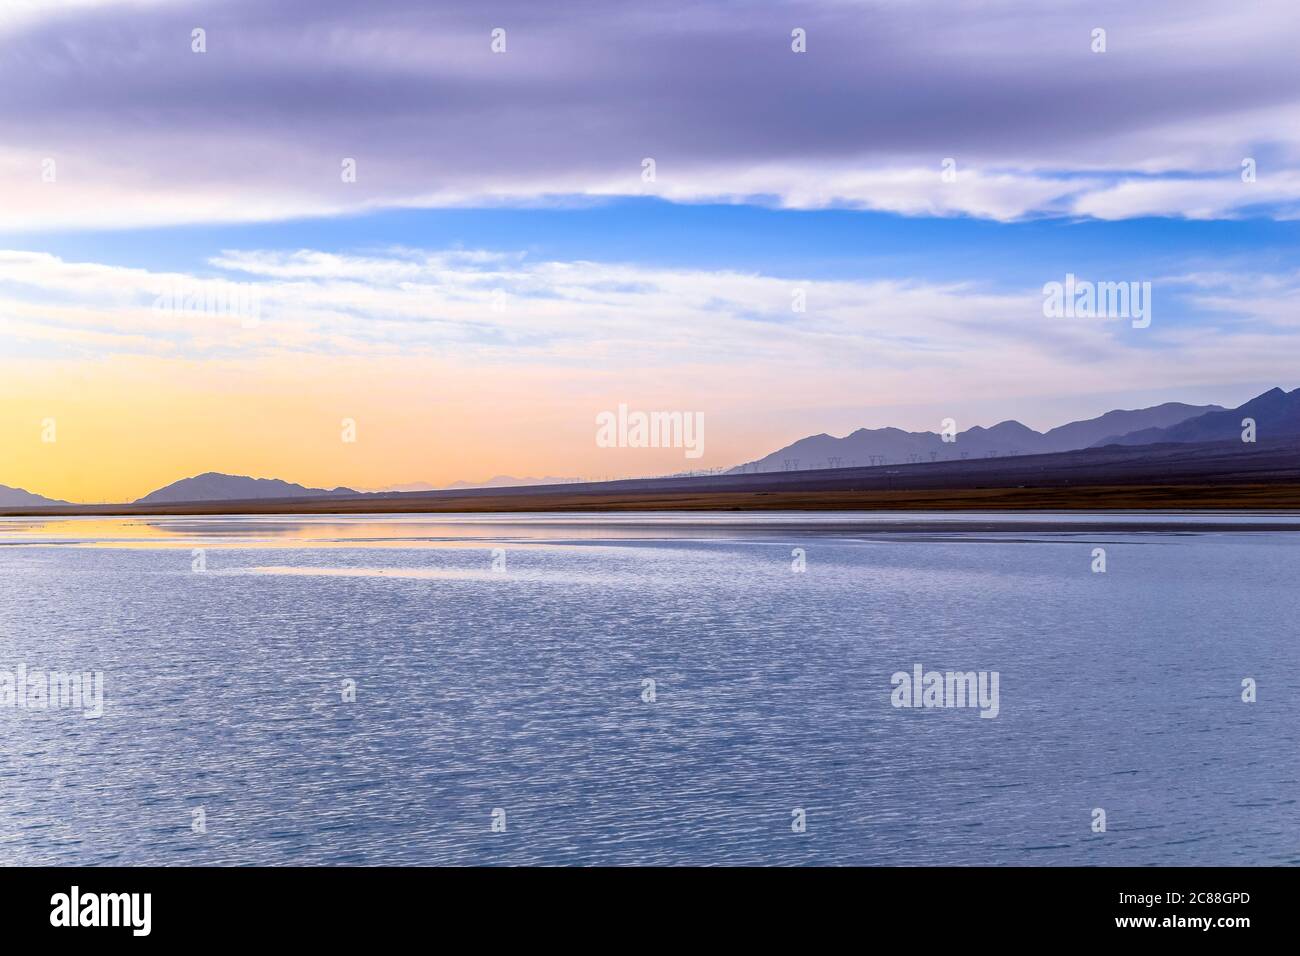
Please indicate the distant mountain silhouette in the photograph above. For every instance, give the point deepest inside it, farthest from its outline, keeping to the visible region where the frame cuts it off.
(499, 481)
(1085, 434)
(18, 498)
(213, 486)
(1276, 414)
(408, 487)
(868, 446)
(508, 481)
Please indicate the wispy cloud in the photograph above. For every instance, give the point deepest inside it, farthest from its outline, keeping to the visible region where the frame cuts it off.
(501, 307)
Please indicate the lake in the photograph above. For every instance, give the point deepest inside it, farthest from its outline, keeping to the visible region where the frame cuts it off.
(648, 689)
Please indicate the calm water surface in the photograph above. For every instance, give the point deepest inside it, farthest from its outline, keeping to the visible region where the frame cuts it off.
(522, 690)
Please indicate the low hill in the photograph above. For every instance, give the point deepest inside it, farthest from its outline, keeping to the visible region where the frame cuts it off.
(213, 486)
(18, 498)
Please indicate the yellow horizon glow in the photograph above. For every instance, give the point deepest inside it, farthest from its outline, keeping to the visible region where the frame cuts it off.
(126, 426)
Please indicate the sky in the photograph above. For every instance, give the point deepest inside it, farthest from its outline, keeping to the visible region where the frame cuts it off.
(378, 244)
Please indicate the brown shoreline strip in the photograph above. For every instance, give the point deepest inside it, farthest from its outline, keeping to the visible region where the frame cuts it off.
(1245, 497)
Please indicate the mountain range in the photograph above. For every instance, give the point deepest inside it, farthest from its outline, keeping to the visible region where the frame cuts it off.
(1276, 414)
(886, 446)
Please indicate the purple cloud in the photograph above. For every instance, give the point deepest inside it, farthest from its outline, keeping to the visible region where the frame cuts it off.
(142, 129)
